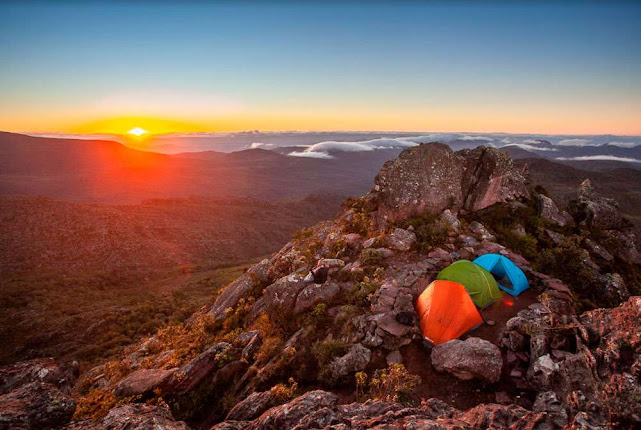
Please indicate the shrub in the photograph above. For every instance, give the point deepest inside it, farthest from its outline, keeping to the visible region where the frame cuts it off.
(359, 223)
(284, 393)
(303, 234)
(317, 316)
(326, 351)
(370, 256)
(429, 229)
(566, 263)
(362, 294)
(523, 245)
(542, 190)
(394, 384)
(361, 385)
(268, 349)
(95, 405)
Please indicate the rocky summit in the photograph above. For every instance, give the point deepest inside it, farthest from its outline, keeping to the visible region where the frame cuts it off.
(432, 177)
(324, 333)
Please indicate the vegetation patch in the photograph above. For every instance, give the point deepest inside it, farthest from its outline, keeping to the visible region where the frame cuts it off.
(429, 229)
(393, 384)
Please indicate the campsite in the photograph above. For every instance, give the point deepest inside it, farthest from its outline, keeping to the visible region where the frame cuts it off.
(465, 394)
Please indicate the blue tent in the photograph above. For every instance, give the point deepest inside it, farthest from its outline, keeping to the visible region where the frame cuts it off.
(509, 276)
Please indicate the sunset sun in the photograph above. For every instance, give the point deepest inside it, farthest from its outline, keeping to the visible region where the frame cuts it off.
(137, 131)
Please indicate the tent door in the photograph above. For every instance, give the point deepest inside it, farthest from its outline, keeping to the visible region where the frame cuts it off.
(504, 281)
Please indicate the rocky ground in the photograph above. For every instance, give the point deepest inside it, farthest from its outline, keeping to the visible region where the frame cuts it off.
(324, 335)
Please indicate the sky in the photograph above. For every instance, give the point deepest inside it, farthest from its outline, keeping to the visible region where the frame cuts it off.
(540, 67)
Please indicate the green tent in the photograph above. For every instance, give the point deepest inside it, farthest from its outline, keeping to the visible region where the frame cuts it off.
(480, 283)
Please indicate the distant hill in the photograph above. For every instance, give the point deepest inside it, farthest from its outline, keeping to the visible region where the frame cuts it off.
(45, 235)
(108, 172)
(83, 279)
(102, 171)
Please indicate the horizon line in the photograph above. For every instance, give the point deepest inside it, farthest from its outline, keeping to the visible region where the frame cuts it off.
(222, 133)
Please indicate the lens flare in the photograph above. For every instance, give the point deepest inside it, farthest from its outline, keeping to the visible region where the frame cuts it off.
(137, 131)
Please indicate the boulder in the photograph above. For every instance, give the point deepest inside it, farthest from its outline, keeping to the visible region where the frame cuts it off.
(479, 229)
(469, 359)
(423, 178)
(384, 252)
(314, 294)
(489, 178)
(281, 295)
(549, 403)
(627, 249)
(133, 417)
(36, 405)
(356, 359)
(251, 349)
(555, 237)
(620, 399)
(394, 357)
(47, 370)
(451, 220)
(389, 324)
(332, 263)
(492, 416)
(547, 209)
(613, 291)
(595, 211)
(572, 372)
(287, 416)
(431, 177)
(253, 406)
(189, 376)
(400, 239)
(243, 339)
(257, 275)
(143, 382)
(597, 250)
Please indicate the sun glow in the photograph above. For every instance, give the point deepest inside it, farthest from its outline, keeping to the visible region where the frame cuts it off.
(137, 131)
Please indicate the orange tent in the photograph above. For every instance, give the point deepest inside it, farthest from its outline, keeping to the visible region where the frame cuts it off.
(446, 311)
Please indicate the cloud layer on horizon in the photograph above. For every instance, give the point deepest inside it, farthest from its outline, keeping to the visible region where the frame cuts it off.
(599, 158)
(324, 149)
(624, 144)
(574, 142)
(530, 147)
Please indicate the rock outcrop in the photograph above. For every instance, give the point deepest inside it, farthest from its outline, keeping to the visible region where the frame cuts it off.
(356, 359)
(35, 405)
(133, 417)
(143, 382)
(339, 299)
(36, 394)
(431, 177)
(547, 209)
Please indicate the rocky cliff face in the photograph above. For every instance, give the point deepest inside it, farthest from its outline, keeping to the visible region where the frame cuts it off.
(324, 335)
(432, 177)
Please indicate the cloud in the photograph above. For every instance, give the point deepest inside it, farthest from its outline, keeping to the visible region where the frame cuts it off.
(599, 158)
(506, 141)
(481, 138)
(531, 147)
(310, 154)
(573, 142)
(533, 142)
(324, 148)
(262, 145)
(624, 144)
